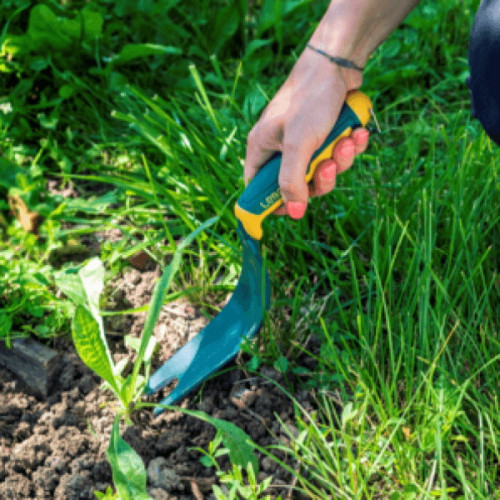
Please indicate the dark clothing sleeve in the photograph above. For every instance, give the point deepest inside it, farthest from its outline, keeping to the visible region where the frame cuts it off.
(484, 64)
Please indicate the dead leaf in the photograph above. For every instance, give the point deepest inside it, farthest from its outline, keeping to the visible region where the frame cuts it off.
(30, 221)
(406, 432)
(196, 491)
(141, 260)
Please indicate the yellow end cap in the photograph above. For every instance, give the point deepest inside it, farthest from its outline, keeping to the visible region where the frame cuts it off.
(361, 104)
(251, 222)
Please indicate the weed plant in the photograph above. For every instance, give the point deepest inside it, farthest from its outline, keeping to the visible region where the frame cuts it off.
(389, 284)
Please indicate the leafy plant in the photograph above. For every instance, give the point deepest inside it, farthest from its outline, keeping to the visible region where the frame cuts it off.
(237, 487)
(28, 301)
(237, 443)
(109, 494)
(84, 288)
(236, 484)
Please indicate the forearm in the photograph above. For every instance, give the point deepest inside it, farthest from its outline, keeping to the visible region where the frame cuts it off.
(353, 29)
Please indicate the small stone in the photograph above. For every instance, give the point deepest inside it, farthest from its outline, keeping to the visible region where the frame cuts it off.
(291, 429)
(270, 372)
(161, 476)
(159, 494)
(242, 397)
(268, 464)
(56, 463)
(86, 385)
(22, 431)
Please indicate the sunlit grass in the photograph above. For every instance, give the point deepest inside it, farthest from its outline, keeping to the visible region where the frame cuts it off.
(389, 284)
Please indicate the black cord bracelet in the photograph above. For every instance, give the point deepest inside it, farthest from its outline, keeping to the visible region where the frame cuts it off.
(345, 63)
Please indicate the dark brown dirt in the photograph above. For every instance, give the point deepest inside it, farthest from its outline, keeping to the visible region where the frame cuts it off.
(55, 449)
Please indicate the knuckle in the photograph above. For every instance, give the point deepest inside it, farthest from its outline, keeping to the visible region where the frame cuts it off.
(286, 184)
(289, 187)
(290, 145)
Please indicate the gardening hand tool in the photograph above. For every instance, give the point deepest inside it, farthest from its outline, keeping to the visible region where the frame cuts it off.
(241, 318)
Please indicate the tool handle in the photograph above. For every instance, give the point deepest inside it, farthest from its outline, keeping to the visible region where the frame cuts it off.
(262, 195)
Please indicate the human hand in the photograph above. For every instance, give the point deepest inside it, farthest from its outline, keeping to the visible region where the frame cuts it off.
(296, 122)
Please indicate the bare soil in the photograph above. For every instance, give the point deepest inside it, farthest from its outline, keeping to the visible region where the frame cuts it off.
(55, 449)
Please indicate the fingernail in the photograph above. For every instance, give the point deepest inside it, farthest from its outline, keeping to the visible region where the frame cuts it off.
(296, 209)
(328, 173)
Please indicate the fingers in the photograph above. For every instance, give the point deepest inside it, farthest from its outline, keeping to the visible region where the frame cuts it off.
(324, 178)
(342, 159)
(348, 147)
(360, 137)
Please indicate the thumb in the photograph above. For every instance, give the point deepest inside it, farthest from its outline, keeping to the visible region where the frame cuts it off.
(261, 145)
(295, 160)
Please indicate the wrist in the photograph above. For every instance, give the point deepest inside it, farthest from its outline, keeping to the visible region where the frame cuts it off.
(321, 68)
(339, 34)
(340, 61)
(353, 29)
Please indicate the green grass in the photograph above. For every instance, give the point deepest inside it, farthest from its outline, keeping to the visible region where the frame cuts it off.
(390, 283)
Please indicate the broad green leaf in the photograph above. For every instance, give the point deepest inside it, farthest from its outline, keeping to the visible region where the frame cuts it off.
(92, 278)
(70, 284)
(87, 25)
(127, 390)
(273, 12)
(47, 31)
(8, 173)
(91, 205)
(133, 51)
(207, 461)
(237, 441)
(281, 364)
(39, 63)
(66, 91)
(85, 287)
(226, 24)
(133, 343)
(127, 467)
(91, 347)
(270, 14)
(256, 45)
(106, 495)
(44, 30)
